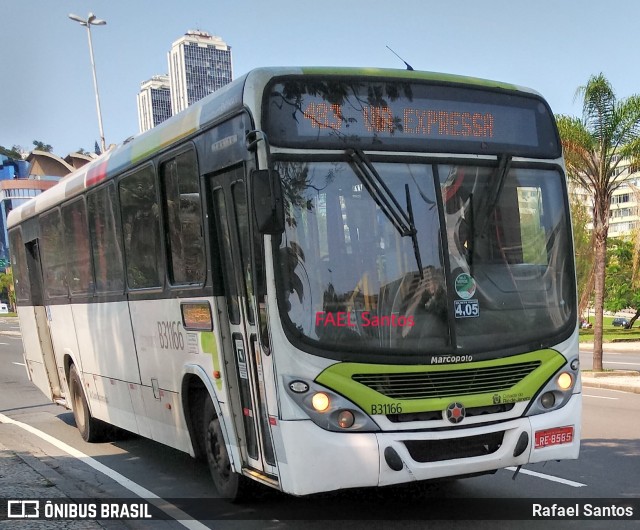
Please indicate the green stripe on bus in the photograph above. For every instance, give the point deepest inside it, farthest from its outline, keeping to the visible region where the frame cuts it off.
(339, 377)
(208, 344)
(411, 74)
(165, 134)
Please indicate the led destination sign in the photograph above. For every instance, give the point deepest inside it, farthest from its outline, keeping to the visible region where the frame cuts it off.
(408, 115)
(416, 122)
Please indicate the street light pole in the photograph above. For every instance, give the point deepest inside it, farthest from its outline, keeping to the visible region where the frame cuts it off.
(92, 20)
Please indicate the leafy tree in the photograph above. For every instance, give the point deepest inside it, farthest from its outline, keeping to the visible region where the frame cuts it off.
(583, 244)
(40, 146)
(14, 152)
(619, 286)
(608, 132)
(6, 288)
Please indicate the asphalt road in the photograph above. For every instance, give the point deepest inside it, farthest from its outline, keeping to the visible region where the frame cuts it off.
(612, 359)
(608, 466)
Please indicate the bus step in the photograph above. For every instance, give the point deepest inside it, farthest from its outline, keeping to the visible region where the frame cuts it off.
(268, 480)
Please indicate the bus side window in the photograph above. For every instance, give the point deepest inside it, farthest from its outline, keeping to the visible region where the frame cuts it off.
(54, 266)
(74, 217)
(185, 241)
(106, 247)
(141, 229)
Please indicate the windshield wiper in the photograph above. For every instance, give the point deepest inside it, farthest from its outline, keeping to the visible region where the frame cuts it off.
(492, 196)
(402, 220)
(414, 231)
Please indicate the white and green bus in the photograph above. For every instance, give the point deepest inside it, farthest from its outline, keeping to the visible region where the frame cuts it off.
(316, 279)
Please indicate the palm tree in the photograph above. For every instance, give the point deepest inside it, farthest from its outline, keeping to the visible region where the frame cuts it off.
(594, 146)
(583, 248)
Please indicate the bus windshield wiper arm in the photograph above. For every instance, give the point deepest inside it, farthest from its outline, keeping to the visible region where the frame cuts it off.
(493, 195)
(402, 220)
(379, 191)
(414, 232)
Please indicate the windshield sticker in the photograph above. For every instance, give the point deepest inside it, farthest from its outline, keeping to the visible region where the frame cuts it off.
(466, 308)
(465, 286)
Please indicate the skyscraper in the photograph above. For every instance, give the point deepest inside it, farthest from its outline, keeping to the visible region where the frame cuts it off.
(154, 102)
(199, 64)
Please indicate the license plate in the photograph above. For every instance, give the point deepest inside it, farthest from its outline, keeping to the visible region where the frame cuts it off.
(557, 436)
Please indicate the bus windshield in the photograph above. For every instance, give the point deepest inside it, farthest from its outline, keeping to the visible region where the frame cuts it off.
(490, 257)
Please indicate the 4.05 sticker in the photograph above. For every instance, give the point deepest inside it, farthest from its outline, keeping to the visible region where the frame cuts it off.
(467, 308)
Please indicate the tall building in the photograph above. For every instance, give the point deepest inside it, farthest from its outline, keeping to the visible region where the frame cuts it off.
(625, 202)
(624, 209)
(154, 102)
(199, 64)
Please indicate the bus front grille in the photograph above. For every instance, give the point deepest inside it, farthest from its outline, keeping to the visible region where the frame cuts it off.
(441, 384)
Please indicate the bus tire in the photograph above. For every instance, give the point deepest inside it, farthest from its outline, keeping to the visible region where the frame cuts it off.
(91, 429)
(230, 485)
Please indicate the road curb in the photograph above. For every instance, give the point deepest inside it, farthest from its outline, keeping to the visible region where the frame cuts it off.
(611, 386)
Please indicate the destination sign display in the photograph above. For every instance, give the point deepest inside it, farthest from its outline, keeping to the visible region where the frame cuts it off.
(411, 116)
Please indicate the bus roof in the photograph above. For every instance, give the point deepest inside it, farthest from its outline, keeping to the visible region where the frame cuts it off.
(223, 102)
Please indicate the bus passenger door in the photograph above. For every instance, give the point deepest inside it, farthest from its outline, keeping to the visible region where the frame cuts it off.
(39, 348)
(242, 349)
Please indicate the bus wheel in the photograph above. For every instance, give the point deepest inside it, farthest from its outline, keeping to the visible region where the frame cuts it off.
(91, 429)
(230, 485)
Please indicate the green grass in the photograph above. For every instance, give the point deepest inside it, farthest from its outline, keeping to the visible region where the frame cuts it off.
(611, 333)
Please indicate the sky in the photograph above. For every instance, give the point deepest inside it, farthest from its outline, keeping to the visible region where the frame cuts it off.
(46, 85)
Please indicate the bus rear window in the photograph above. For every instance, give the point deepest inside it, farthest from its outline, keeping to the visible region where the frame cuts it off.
(19, 266)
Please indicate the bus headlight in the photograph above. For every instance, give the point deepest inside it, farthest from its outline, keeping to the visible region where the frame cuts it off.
(346, 419)
(548, 400)
(327, 409)
(565, 381)
(320, 401)
(557, 391)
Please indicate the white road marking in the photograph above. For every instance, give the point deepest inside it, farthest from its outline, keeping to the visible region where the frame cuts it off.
(629, 364)
(549, 477)
(598, 397)
(132, 486)
(19, 364)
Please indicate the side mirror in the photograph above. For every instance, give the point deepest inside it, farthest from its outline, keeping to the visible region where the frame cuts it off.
(267, 201)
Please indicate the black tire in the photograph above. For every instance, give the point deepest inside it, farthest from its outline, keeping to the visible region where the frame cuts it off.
(230, 485)
(91, 429)
(196, 409)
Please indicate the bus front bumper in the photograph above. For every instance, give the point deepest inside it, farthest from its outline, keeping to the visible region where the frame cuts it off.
(317, 460)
